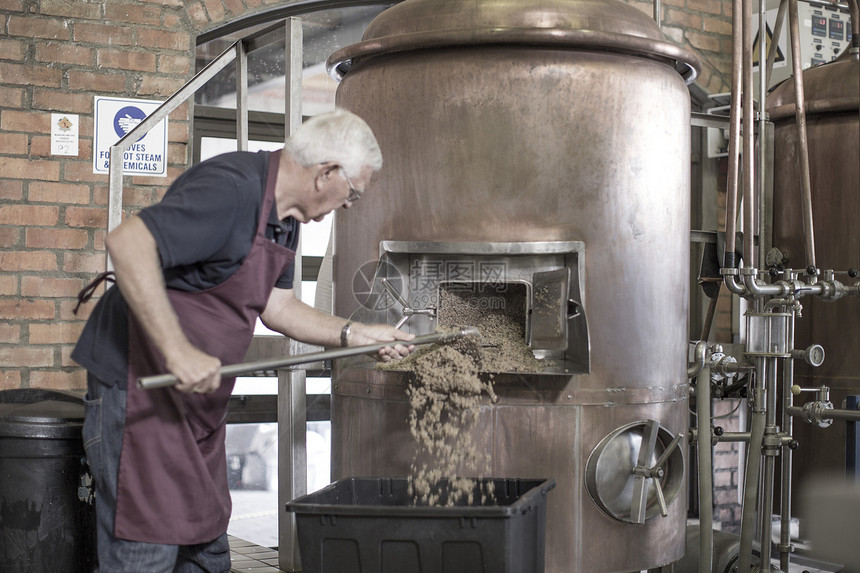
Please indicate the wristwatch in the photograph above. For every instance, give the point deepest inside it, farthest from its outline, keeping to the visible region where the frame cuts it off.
(344, 334)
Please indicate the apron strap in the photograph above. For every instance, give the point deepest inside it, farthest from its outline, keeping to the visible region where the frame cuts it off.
(88, 291)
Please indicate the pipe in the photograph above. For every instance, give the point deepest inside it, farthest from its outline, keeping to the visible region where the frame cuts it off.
(800, 120)
(751, 481)
(704, 449)
(774, 42)
(748, 153)
(733, 437)
(730, 260)
(785, 470)
(698, 359)
(765, 516)
(828, 414)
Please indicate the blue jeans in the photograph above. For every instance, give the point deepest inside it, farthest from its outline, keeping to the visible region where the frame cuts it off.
(102, 434)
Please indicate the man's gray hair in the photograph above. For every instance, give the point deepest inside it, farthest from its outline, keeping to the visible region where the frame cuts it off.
(339, 136)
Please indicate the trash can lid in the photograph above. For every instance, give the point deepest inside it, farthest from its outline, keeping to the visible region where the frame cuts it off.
(38, 413)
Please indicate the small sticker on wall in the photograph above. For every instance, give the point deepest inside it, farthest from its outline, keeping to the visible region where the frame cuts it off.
(64, 134)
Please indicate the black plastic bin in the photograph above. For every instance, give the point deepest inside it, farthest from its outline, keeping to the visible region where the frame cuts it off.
(46, 527)
(370, 525)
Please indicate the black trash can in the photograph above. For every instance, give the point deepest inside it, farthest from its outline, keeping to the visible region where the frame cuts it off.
(47, 516)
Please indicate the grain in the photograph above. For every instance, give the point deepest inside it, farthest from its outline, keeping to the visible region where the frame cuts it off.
(445, 395)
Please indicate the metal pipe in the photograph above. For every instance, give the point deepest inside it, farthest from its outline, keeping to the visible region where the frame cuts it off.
(829, 414)
(765, 516)
(729, 260)
(733, 437)
(800, 120)
(704, 449)
(698, 359)
(774, 42)
(785, 470)
(161, 380)
(751, 481)
(748, 153)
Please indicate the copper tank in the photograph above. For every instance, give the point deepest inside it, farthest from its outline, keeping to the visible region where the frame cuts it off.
(521, 125)
(831, 93)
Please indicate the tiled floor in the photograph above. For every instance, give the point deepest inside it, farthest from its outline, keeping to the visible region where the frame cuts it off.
(248, 557)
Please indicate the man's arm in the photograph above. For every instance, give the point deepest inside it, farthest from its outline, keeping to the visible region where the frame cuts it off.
(134, 254)
(286, 314)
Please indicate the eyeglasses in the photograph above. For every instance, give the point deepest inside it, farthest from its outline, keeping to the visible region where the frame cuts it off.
(354, 194)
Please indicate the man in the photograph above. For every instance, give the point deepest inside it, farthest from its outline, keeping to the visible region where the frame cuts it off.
(194, 273)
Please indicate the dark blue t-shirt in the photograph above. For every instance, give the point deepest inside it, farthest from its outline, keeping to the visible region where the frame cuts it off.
(204, 228)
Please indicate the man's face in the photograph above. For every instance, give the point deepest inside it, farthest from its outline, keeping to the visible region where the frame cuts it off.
(334, 188)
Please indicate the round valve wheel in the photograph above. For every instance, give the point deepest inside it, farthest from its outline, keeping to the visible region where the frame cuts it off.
(636, 471)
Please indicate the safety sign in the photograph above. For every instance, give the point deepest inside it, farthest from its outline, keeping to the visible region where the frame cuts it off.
(115, 117)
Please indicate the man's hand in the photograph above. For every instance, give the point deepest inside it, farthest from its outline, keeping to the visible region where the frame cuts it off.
(197, 371)
(365, 334)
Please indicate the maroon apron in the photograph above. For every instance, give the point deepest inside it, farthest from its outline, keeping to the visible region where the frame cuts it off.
(172, 484)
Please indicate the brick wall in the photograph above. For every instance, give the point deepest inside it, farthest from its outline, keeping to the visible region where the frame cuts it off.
(55, 56)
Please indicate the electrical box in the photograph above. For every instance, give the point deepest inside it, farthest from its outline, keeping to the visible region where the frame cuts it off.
(825, 31)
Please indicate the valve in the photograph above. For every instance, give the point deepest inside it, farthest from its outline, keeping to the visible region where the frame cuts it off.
(642, 472)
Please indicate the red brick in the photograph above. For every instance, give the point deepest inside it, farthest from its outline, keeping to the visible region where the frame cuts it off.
(173, 20)
(10, 333)
(706, 6)
(177, 153)
(164, 39)
(102, 34)
(26, 121)
(13, 143)
(46, 287)
(28, 261)
(11, 190)
(63, 102)
(71, 9)
(126, 60)
(718, 26)
(59, 379)
(60, 193)
(215, 9)
(683, 18)
(90, 217)
(82, 171)
(138, 197)
(67, 309)
(9, 237)
(236, 7)
(10, 379)
(127, 13)
(12, 5)
(197, 12)
(174, 64)
(26, 356)
(84, 263)
(26, 309)
(11, 97)
(56, 238)
(29, 215)
(702, 41)
(35, 27)
(22, 74)
(177, 131)
(159, 87)
(55, 332)
(104, 82)
(8, 287)
(64, 53)
(40, 146)
(13, 49)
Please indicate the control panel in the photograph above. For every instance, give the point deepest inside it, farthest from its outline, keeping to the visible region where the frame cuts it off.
(825, 32)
